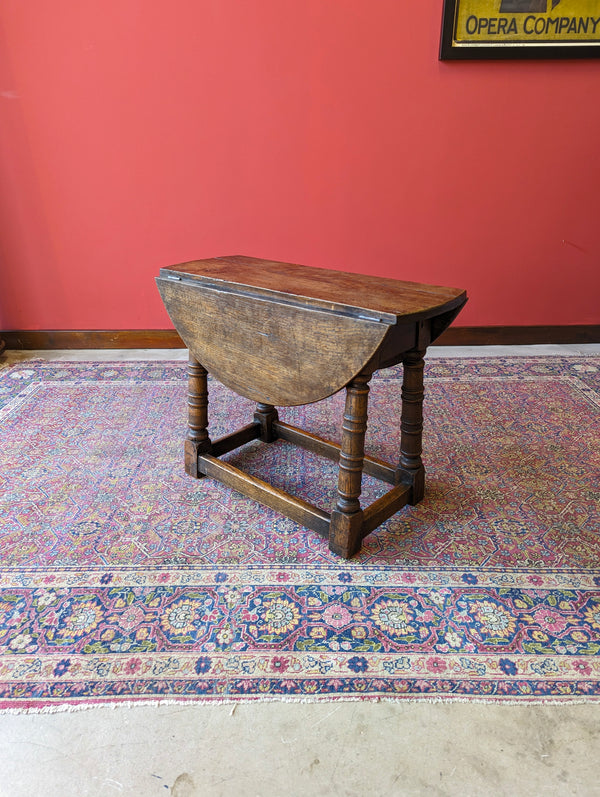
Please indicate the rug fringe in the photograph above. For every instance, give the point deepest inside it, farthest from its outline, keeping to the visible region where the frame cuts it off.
(313, 700)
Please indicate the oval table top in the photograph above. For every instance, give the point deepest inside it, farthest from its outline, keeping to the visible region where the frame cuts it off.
(381, 298)
(286, 334)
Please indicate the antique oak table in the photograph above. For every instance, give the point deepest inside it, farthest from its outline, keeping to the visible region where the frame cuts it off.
(283, 335)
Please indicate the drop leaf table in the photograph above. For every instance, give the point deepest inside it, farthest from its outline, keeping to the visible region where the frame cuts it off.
(284, 335)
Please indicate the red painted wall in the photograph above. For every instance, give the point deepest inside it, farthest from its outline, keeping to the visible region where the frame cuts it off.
(139, 133)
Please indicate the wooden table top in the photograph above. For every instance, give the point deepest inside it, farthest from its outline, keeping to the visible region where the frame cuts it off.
(376, 298)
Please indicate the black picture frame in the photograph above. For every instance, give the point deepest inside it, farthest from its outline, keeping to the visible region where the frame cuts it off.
(529, 45)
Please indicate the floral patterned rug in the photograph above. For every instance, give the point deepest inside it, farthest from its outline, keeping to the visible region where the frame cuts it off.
(122, 579)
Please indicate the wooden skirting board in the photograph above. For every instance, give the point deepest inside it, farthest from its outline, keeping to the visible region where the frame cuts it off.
(169, 339)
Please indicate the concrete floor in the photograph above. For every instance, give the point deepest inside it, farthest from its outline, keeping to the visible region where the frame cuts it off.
(280, 749)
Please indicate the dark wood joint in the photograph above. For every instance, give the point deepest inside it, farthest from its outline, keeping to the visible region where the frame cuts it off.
(266, 415)
(191, 452)
(423, 335)
(414, 479)
(345, 533)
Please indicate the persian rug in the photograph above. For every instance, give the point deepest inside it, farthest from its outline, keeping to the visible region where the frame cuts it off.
(122, 579)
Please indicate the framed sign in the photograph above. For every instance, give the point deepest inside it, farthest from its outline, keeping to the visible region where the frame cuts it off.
(520, 29)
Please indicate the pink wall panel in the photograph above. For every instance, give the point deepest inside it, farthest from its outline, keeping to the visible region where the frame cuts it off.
(136, 134)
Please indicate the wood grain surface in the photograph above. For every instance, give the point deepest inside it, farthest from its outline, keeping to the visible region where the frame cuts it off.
(379, 297)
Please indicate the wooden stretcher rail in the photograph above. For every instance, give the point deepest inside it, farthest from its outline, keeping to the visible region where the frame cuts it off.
(384, 507)
(295, 508)
(223, 445)
(326, 448)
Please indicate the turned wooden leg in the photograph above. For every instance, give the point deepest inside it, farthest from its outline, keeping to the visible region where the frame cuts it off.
(346, 519)
(197, 440)
(266, 415)
(410, 469)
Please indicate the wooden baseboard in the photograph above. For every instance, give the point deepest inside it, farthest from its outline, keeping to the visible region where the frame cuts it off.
(93, 339)
(169, 339)
(519, 336)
